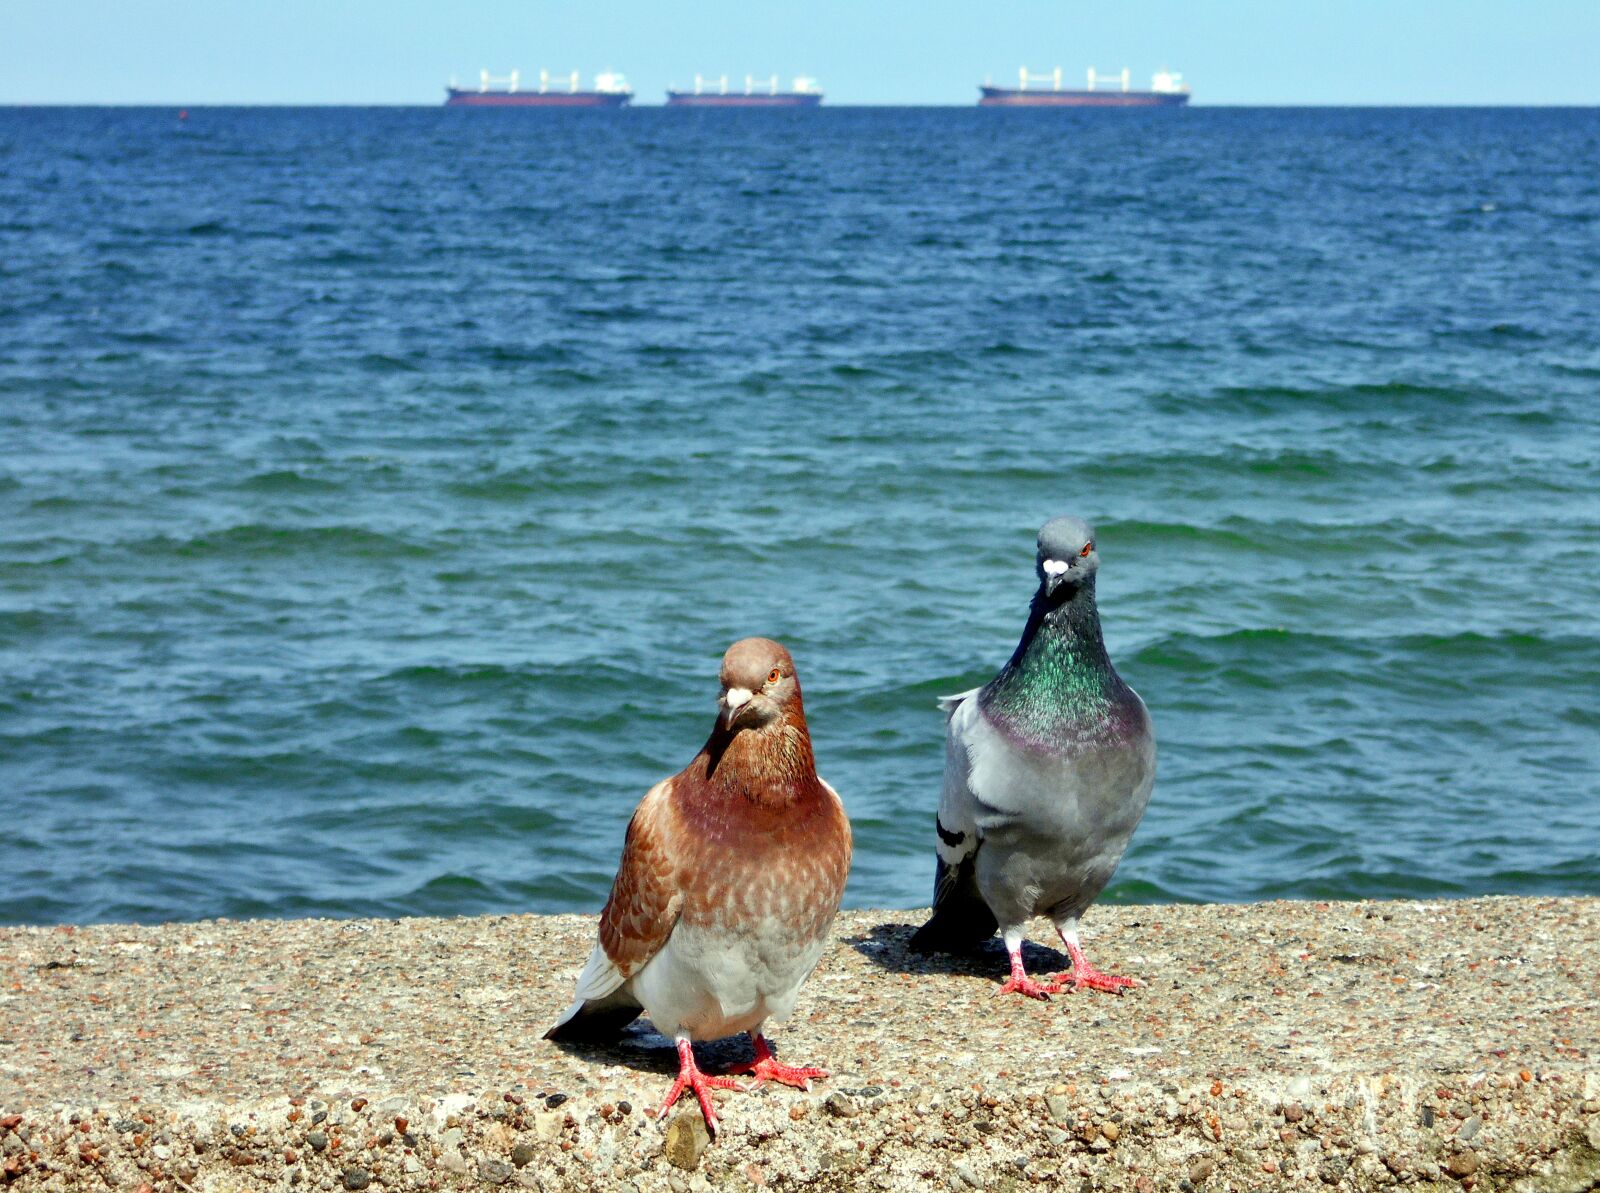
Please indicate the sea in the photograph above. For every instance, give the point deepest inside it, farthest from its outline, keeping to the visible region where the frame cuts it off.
(379, 488)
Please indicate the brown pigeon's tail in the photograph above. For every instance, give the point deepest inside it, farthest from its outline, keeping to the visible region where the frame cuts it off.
(596, 1020)
(961, 920)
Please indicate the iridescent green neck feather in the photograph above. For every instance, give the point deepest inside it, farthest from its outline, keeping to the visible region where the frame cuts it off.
(1059, 681)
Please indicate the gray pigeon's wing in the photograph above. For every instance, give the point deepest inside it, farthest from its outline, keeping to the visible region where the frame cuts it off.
(949, 704)
(960, 918)
(957, 823)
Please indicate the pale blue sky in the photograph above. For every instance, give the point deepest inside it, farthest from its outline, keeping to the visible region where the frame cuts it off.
(934, 51)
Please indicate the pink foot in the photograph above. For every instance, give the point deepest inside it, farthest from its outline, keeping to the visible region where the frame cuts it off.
(767, 1067)
(690, 1077)
(1084, 976)
(1020, 983)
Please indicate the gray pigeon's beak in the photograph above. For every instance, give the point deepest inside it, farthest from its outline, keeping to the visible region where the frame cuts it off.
(733, 702)
(1055, 571)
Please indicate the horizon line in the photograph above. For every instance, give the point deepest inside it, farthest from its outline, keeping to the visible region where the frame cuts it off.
(356, 104)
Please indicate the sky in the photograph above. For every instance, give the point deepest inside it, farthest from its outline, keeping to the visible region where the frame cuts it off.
(195, 52)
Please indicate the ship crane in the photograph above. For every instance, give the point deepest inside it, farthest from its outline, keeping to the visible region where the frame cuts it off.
(544, 82)
(487, 80)
(1027, 76)
(1110, 77)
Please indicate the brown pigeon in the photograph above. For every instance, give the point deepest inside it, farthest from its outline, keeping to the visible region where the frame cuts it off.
(732, 871)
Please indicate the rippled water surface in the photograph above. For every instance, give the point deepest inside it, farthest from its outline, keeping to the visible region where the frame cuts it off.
(380, 488)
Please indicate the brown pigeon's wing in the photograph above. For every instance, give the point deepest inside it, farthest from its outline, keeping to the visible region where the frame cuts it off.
(645, 899)
(829, 788)
(635, 924)
(830, 854)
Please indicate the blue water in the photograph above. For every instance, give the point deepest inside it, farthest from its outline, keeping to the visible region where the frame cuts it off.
(380, 488)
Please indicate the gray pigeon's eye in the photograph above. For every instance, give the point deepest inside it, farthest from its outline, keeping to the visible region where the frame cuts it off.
(1087, 547)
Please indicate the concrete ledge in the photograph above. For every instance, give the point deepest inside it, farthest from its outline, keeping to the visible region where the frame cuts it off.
(1347, 1045)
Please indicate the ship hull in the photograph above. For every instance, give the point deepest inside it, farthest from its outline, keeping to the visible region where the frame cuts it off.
(1012, 97)
(784, 99)
(536, 99)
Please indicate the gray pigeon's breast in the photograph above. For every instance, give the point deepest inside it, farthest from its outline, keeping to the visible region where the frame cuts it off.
(1061, 812)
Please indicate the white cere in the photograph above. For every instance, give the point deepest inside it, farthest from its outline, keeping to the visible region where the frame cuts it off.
(736, 697)
(1054, 567)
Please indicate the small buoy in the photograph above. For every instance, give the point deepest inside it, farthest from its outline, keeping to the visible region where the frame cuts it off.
(183, 113)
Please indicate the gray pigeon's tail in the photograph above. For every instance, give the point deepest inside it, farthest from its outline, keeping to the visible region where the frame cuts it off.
(596, 1020)
(961, 920)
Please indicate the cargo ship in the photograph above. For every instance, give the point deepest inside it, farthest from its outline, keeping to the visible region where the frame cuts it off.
(610, 91)
(714, 93)
(1167, 90)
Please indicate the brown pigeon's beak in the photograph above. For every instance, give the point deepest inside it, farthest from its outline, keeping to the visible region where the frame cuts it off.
(734, 701)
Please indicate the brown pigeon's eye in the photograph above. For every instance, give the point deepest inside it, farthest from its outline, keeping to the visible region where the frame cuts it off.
(774, 675)
(1087, 547)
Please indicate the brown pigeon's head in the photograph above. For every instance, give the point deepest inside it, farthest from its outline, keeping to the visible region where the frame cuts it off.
(758, 683)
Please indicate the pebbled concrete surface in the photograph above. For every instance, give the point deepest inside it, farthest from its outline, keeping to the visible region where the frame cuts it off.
(1345, 1045)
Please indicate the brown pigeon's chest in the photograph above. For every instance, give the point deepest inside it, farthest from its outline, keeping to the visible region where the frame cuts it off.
(768, 876)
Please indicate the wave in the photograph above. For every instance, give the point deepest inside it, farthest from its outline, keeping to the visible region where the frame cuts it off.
(1428, 666)
(254, 540)
(623, 313)
(343, 257)
(287, 480)
(1379, 397)
(384, 362)
(1467, 643)
(1298, 538)
(457, 677)
(514, 354)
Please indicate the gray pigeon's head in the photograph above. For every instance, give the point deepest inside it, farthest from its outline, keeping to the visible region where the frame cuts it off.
(1067, 555)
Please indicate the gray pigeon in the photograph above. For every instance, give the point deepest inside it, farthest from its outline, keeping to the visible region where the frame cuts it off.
(1048, 768)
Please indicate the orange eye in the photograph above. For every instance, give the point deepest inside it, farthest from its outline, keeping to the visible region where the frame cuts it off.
(1087, 547)
(774, 675)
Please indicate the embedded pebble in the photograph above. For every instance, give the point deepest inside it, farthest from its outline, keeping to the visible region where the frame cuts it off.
(687, 1139)
(1462, 1164)
(842, 1105)
(494, 1172)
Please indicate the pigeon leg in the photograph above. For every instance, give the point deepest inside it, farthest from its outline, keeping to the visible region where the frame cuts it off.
(1019, 982)
(690, 1077)
(1083, 975)
(767, 1067)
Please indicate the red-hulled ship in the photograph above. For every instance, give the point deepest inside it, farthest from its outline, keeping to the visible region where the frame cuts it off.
(610, 91)
(714, 93)
(1167, 90)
